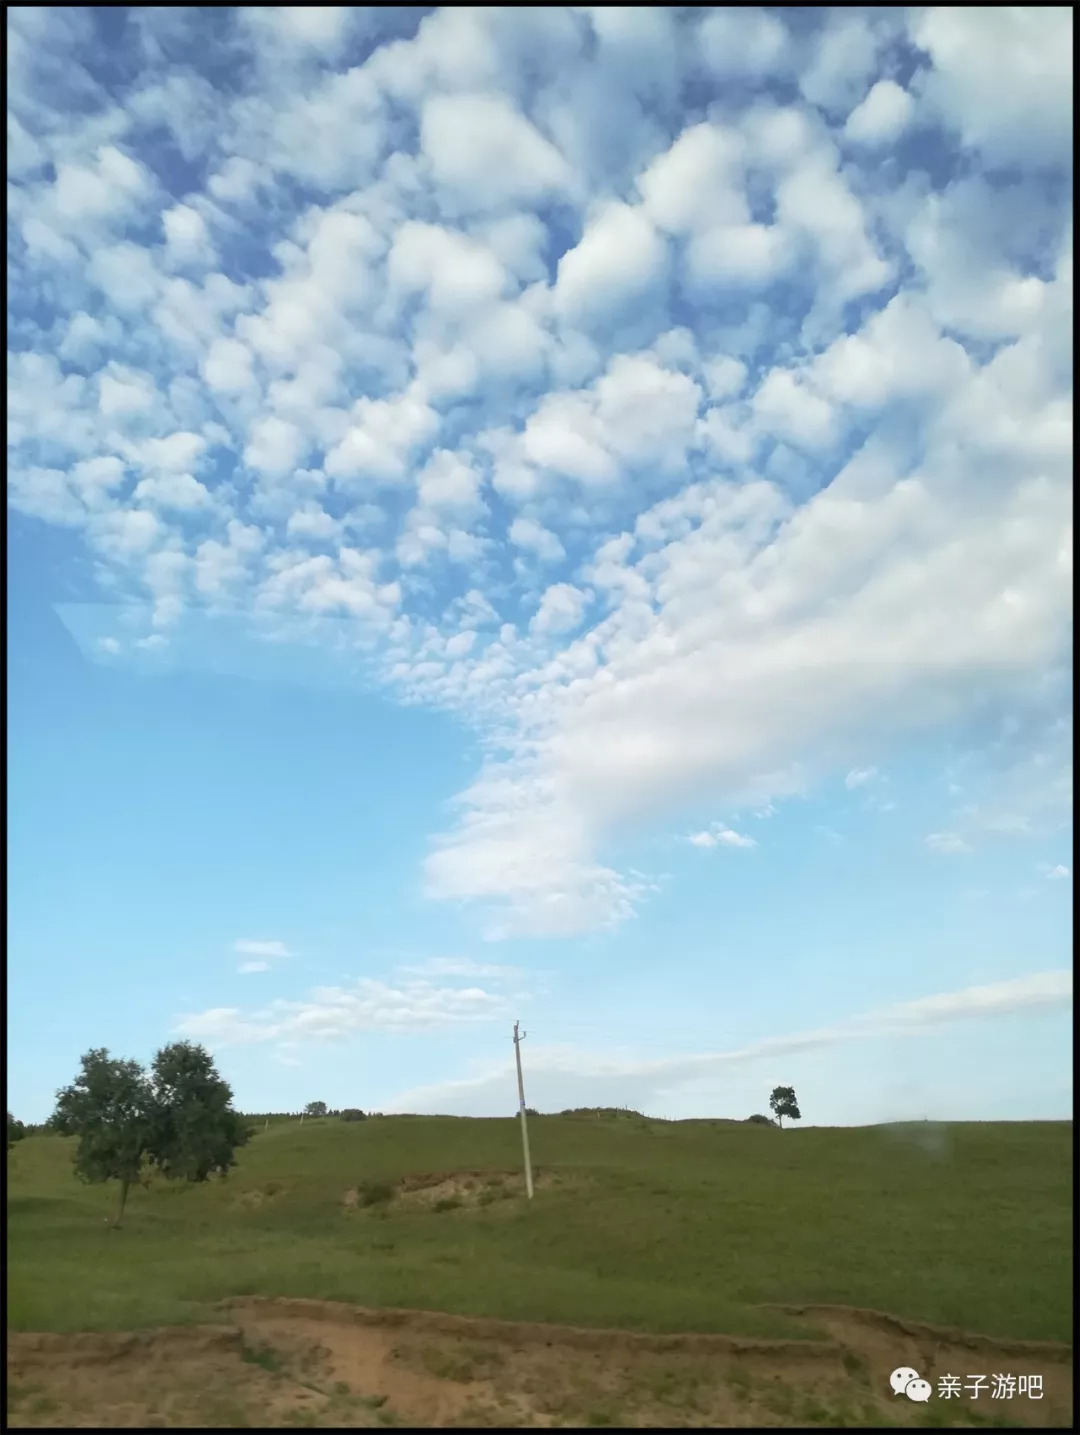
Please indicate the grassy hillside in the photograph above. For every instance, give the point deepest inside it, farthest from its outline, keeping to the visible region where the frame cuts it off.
(643, 1225)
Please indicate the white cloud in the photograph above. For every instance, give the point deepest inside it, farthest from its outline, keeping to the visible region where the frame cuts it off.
(126, 275)
(535, 538)
(698, 182)
(562, 1076)
(970, 287)
(744, 255)
(845, 51)
(815, 201)
(246, 946)
(124, 391)
(275, 447)
(486, 153)
(786, 408)
(104, 191)
(1057, 872)
(566, 436)
(449, 484)
(805, 532)
(561, 609)
(334, 1013)
(187, 239)
(462, 967)
(227, 367)
(247, 968)
(617, 264)
(180, 492)
(881, 117)
(725, 377)
(859, 777)
(946, 843)
(720, 836)
(321, 27)
(381, 437)
(738, 41)
(457, 274)
(1002, 76)
(900, 353)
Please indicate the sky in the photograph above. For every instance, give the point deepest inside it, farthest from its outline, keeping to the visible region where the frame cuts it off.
(550, 514)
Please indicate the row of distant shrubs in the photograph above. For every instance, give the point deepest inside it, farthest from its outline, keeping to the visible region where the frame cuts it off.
(624, 1111)
(349, 1113)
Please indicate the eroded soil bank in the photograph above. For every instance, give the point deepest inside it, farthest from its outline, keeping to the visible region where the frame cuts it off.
(284, 1362)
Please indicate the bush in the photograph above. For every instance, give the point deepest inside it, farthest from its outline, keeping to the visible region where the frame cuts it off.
(374, 1193)
(447, 1203)
(760, 1120)
(351, 1114)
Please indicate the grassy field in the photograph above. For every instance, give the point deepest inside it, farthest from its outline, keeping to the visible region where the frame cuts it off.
(648, 1226)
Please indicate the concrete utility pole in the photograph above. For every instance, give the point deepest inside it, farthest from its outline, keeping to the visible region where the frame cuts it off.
(521, 1103)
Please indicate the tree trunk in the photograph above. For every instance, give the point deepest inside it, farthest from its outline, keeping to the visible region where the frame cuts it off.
(123, 1202)
(780, 1121)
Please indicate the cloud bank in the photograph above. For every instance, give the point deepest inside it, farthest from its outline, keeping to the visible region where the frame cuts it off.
(682, 400)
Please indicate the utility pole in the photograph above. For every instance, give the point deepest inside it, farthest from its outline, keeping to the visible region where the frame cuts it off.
(521, 1103)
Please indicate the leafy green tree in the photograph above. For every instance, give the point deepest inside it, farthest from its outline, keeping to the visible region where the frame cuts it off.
(315, 1108)
(110, 1108)
(196, 1133)
(783, 1104)
(15, 1131)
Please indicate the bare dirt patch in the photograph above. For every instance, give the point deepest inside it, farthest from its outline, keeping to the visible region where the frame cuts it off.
(189, 1377)
(451, 1190)
(295, 1362)
(256, 1196)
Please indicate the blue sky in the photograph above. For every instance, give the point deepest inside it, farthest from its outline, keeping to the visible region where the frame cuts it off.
(559, 514)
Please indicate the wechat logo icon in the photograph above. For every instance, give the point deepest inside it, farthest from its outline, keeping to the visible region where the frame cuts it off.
(905, 1381)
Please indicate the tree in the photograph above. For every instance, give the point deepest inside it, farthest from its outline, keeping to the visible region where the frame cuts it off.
(179, 1119)
(109, 1107)
(196, 1133)
(315, 1108)
(15, 1131)
(784, 1104)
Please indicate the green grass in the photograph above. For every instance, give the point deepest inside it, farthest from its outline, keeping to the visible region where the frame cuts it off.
(671, 1226)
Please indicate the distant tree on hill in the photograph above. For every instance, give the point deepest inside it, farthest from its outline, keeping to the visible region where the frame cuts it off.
(179, 1119)
(759, 1120)
(784, 1104)
(196, 1132)
(15, 1131)
(351, 1113)
(315, 1108)
(109, 1107)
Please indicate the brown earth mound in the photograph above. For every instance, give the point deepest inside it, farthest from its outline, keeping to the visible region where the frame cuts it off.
(291, 1362)
(449, 1190)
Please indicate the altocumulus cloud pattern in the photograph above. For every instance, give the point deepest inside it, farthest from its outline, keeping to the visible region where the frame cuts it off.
(676, 397)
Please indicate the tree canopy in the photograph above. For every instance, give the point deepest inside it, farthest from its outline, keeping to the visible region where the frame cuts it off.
(784, 1104)
(315, 1108)
(109, 1108)
(178, 1120)
(15, 1131)
(196, 1132)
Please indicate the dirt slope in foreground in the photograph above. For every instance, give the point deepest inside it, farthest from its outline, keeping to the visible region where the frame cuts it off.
(297, 1362)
